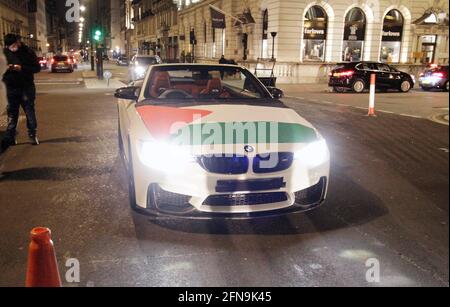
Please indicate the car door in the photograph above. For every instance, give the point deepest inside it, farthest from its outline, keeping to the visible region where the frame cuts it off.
(384, 78)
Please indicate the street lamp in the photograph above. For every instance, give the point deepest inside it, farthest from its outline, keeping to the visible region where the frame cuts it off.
(274, 34)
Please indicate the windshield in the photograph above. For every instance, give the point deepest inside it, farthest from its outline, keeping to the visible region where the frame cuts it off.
(203, 82)
(146, 61)
(60, 58)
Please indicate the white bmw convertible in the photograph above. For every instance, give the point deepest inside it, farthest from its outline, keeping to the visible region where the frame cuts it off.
(213, 141)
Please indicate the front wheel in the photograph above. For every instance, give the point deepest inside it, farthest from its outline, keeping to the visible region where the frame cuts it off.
(358, 86)
(405, 86)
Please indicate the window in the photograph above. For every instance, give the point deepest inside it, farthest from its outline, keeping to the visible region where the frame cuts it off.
(354, 35)
(203, 83)
(391, 37)
(265, 35)
(315, 34)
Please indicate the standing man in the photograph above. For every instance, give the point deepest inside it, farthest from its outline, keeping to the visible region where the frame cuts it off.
(20, 88)
(3, 67)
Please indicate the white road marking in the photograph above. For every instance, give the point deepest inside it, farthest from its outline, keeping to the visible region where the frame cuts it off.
(410, 115)
(384, 111)
(444, 150)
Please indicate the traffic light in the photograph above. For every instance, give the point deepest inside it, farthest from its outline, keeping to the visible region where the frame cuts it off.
(98, 35)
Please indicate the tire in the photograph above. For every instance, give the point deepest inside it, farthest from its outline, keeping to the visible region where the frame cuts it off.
(358, 86)
(405, 86)
(131, 182)
(446, 86)
(338, 89)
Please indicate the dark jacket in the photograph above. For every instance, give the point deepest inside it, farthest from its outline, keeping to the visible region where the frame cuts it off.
(30, 66)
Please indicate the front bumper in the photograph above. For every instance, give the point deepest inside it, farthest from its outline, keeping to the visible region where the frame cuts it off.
(197, 193)
(305, 200)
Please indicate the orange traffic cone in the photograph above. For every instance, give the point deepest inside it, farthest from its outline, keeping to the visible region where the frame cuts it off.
(42, 265)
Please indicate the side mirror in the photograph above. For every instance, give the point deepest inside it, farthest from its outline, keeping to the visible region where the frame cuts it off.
(276, 92)
(128, 93)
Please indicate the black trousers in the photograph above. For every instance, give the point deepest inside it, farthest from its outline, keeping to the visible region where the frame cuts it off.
(25, 98)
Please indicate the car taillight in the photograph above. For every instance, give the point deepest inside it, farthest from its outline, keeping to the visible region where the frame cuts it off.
(438, 75)
(69, 61)
(53, 61)
(330, 74)
(344, 74)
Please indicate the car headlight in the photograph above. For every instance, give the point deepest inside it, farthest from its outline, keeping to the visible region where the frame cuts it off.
(140, 71)
(314, 154)
(164, 156)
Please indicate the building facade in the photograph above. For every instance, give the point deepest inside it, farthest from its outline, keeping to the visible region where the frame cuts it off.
(38, 26)
(150, 27)
(311, 36)
(14, 19)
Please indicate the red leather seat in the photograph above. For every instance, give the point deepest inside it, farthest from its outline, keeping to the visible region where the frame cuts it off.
(214, 87)
(161, 82)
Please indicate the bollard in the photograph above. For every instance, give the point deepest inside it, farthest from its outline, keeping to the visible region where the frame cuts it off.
(42, 268)
(373, 79)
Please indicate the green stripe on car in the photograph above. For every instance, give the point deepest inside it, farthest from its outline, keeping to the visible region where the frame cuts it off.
(243, 133)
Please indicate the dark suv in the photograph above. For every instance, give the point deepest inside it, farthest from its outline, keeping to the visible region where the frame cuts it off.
(355, 76)
(435, 77)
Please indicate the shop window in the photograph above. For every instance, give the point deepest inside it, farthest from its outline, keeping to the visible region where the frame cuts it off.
(391, 37)
(265, 35)
(354, 35)
(315, 34)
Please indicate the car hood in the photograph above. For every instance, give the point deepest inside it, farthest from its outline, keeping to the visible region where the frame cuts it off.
(226, 125)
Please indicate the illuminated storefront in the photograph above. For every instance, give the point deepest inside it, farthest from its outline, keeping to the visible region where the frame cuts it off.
(354, 35)
(391, 37)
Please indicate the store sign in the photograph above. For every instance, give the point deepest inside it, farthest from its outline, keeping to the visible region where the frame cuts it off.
(217, 19)
(392, 33)
(355, 31)
(315, 30)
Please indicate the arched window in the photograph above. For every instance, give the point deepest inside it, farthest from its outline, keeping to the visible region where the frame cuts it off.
(315, 34)
(354, 35)
(265, 35)
(392, 37)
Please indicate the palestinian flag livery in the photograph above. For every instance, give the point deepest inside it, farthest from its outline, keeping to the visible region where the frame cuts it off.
(226, 124)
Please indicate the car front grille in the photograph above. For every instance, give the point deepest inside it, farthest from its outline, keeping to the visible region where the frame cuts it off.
(224, 164)
(236, 165)
(231, 200)
(273, 162)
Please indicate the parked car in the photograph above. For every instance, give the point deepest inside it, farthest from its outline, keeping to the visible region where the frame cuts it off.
(43, 62)
(122, 61)
(435, 77)
(74, 62)
(139, 65)
(61, 63)
(355, 76)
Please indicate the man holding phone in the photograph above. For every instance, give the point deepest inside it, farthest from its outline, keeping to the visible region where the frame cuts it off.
(21, 91)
